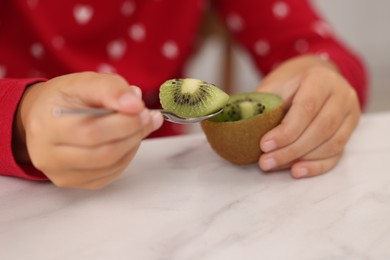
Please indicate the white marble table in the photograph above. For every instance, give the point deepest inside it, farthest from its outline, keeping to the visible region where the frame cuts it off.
(179, 201)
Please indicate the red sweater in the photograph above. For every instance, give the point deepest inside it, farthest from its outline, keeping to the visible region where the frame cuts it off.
(147, 42)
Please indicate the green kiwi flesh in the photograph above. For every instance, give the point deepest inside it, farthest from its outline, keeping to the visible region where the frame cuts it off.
(235, 133)
(191, 97)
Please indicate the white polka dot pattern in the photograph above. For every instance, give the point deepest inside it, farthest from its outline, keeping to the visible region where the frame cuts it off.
(37, 50)
(105, 68)
(82, 14)
(301, 46)
(137, 32)
(116, 49)
(281, 9)
(262, 47)
(235, 22)
(170, 50)
(322, 28)
(124, 36)
(128, 8)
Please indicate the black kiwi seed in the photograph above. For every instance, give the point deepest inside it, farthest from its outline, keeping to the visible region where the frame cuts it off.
(187, 99)
(233, 110)
(260, 108)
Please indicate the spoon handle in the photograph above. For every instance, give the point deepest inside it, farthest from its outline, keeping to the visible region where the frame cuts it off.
(105, 111)
(94, 112)
(82, 111)
(86, 111)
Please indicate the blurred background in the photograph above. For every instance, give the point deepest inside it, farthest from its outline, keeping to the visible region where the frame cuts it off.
(361, 24)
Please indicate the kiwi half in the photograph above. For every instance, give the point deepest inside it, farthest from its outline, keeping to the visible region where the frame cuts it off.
(235, 133)
(191, 97)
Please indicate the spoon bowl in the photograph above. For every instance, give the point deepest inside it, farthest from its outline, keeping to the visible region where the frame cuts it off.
(168, 116)
(187, 120)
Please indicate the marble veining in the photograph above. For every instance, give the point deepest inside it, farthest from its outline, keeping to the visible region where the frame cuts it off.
(179, 201)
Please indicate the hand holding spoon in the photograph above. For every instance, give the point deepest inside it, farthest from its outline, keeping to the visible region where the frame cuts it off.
(104, 111)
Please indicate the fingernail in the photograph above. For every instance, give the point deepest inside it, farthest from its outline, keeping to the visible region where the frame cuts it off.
(138, 91)
(269, 164)
(268, 146)
(302, 172)
(145, 117)
(127, 99)
(158, 119)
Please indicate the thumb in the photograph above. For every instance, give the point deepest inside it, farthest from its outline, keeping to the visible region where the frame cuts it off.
(129, 101)
(286, 89)
(108, 91)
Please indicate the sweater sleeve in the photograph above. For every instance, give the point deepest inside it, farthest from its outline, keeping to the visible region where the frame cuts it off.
(275, 31)
(11, 91)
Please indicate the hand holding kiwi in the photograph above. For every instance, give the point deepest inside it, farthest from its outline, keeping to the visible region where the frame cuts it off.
(235, 133)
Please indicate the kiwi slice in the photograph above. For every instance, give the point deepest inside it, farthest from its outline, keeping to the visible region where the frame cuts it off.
(235, 133)
(191, 97)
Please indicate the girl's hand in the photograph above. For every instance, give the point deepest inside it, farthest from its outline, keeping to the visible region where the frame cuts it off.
(323, 111)
(82, 151)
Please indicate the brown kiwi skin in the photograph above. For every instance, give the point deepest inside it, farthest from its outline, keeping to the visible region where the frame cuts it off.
(239, 141)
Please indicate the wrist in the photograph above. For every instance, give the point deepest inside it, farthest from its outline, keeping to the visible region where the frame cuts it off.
(19, 146)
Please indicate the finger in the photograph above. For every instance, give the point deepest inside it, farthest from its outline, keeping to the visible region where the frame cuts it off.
(157, 121)
(98, 183)
(286, 89)
(305, 168)
(337, 142)
(97, 157)
(115, 173)
(305, 106)
(321, 129)
(106, 154)
(102, 90)
(92, 131)
(92, 178)
(277, 168)
(137, 91)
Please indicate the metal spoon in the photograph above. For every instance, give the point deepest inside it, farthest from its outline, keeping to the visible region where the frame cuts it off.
(103, 111)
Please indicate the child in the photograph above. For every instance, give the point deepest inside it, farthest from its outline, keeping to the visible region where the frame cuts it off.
(47, 47)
